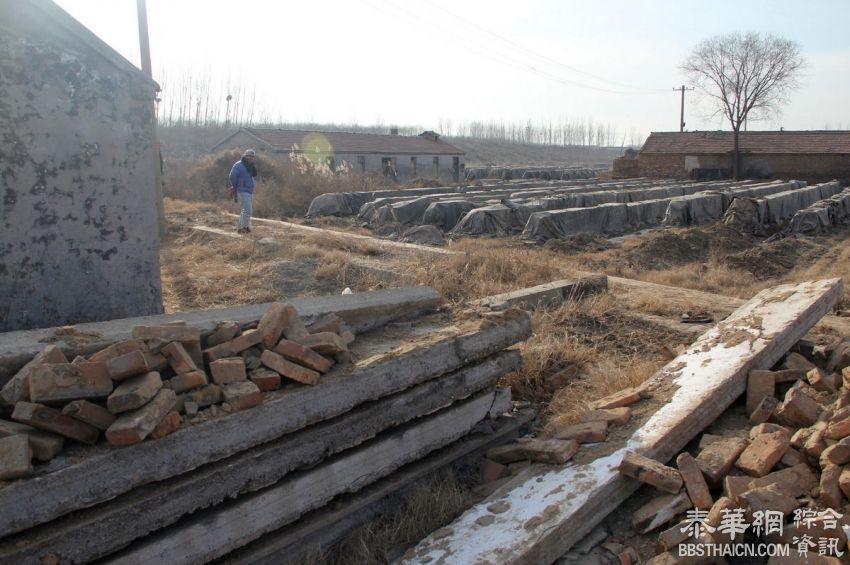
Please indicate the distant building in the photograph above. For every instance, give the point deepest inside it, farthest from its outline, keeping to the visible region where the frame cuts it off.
(804, 155)
(412, 156)
(78, 217)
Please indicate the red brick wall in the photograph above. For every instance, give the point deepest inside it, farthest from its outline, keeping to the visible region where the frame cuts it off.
(625, 168)
(804, 167)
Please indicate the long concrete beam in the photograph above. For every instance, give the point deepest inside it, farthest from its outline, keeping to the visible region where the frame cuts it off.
(324, 527)
(551, 508)
(98, 531)
(362, 311)
(213, 533)
(102, 475)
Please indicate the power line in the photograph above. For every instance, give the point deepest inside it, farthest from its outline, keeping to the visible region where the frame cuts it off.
(400, 12)
(542, 55)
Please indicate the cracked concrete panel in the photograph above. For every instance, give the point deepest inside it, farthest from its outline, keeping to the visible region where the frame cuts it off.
(78, 223)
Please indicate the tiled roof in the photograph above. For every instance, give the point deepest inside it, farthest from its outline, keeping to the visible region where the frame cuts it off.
(345, 142)
(752, 142)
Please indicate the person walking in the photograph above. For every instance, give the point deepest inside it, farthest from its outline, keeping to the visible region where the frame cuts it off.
(241, 179)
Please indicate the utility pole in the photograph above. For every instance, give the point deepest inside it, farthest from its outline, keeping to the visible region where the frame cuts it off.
(145, 52)
(682, 111)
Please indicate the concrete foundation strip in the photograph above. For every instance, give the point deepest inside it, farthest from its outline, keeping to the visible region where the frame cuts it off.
(549, 294)
(345, 235)
(103, 476)
(203, 537)
(322, 528)
(362, 312)
(550, 509)
(91, 533)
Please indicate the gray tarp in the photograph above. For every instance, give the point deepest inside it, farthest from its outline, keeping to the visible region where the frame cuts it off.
(646, 214)
(606, 218)
(410, 212)
(497, 219)
(338, 204)
(694, 209)
(445, 214)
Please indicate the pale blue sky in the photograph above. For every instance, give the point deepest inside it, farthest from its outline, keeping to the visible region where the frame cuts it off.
(427, 62)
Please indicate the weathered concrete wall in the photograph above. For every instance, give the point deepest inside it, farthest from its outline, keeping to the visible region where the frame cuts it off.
(79, 239)
(425, 167)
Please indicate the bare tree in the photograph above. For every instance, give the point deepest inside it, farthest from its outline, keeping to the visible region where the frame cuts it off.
(747, 75)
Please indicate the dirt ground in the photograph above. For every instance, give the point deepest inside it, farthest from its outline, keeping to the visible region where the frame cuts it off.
(580, 351)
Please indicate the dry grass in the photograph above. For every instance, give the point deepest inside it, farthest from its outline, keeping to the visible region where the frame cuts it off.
(430, 503)
(205, 271)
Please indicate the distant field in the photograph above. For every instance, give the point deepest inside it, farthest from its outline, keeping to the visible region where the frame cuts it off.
(480, 152)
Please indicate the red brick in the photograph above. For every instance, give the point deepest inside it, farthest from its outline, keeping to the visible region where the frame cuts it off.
(651, 472)
(716, 514)
(792, 457)
(838, 430)
(45, 445)
(797, 362)
(51, 420)
(167, 426)
(823, 381)
(586, 432)
(614, 416)
(844, 482)
(347, 337)
(798, 480)
(242, 396)
(326, 343)
(224, 331)
(764, 410)
(830, 492)
(90, 413)
(551, 451)
(294, 328)
(193, 348)
(763, 453)
(62, 382)
(716, 459)
(836, 454)
(230, 348)
(845, 377)
(840, 357)
(760, 384)
(134, 393)
(127, 365)
(169, 333)
(118, 349)
(617, 400)
(815, 444)
(134, 427)
(798, 409)
(771, 497)
(303, 355)
(288, 369)
(18, 386)
(734, 485)
(325, 323)
(15, 457)
(188, 381)
(229, 370)
(695, 483)
(271, 325)
(788, 376)
(767, 428)
(265, 379)
(179, 358)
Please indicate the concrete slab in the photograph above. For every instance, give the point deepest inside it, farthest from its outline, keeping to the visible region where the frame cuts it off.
(362, 311)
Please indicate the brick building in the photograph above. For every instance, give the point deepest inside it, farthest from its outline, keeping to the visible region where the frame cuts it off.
(804, 155)
(424, 155)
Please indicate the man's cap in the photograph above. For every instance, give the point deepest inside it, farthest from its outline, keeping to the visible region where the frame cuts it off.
(248, 153)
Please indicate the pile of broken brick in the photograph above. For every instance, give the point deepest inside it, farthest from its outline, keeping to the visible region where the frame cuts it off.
(144, 387)
(793, 465)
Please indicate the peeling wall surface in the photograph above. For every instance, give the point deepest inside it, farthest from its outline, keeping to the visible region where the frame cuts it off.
(78, 220)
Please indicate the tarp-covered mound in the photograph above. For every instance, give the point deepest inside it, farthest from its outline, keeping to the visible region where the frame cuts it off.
(694, 209)
(424, 235)
(338, 204)
(606, 218)
(497, 219)
(445, 214)
(821, 216)
(745, 216)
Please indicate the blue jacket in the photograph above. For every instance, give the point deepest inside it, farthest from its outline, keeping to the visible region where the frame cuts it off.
(240, 178)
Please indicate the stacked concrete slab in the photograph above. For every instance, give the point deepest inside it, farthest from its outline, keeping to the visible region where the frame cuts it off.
(821, 216)
(223, 482)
